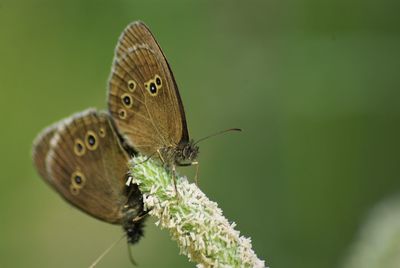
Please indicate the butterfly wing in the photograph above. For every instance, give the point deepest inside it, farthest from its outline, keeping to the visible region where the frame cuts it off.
(143, 96)
(87, 165)
(41, 147)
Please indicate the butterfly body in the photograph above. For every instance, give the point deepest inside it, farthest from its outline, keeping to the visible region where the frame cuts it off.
(183, 154)
(133, 215)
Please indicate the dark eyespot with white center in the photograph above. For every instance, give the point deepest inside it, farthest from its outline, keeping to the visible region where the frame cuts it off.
(91, 140)
(78, 180)
(158, 81)
(126, 100)
(153, 88)
(79, 147)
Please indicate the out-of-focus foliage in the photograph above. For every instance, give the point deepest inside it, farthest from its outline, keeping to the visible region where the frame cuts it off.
(378, 243)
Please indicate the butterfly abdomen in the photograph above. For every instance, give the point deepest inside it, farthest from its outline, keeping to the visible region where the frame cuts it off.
(134, 230)
(134, 215)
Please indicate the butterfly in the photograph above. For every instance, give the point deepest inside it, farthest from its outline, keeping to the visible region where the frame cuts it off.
(82, 158)
(144, 100)
(85, 157)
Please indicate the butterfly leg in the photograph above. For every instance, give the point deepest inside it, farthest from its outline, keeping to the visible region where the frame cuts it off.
(174, 179)
(140, 217)
(147, 159)
(173, 170)
(197, 172)
(161, 157)
(197, 164)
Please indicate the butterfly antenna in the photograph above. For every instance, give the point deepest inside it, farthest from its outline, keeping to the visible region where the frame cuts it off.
(131, 255)
(217, 133)
(105, 252)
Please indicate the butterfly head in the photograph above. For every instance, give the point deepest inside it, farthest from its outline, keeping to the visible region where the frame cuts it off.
(187, 152)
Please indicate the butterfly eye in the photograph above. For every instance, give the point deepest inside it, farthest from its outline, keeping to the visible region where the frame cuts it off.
(91, 140)
(102, 132)
(79, 147)
(78, 179)
(131, 85)
(122, 113)
(126, 100)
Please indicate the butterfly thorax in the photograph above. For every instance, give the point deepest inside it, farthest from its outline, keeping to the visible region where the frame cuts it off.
(185, 153)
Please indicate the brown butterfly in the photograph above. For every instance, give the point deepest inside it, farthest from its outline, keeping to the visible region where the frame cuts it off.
(144, 100)
(81, 157)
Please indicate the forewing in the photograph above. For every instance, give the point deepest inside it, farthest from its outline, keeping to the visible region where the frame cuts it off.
(143, 96)
(88, 165)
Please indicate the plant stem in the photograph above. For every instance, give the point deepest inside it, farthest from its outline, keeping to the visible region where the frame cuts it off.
(196, 223)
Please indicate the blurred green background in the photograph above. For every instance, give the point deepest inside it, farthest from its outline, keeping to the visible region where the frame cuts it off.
(314, 84)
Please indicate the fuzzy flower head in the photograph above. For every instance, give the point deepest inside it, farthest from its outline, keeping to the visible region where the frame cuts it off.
(196, 223)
